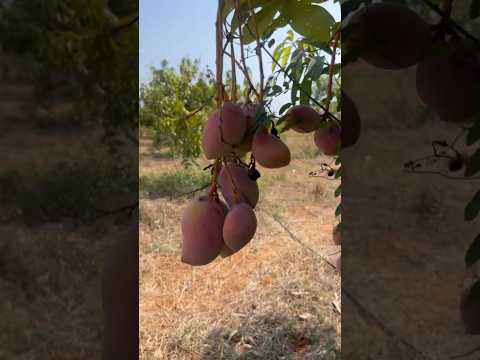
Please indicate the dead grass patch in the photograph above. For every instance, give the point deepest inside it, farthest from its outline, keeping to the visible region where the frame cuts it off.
(272, 300)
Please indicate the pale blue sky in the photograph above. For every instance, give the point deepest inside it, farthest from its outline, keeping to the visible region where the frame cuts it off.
(171, 30)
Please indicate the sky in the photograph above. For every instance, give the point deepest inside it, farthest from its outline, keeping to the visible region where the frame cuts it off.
(171, 30)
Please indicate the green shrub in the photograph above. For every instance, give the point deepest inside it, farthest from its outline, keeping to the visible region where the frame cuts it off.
(172, 184)
(79, 191)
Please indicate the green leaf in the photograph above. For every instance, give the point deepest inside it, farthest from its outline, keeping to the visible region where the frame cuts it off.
(244, 14)
(286, 55)
(275, 90)
(338, 210)
(284, 108)
(315, 67)
(338, 192)
(473, 165)
(293, 93)
(229, 5)
(277, 23)
(296, 65)
(297, 56)
(318, 45)
(338, 173)
(276, 54)
(473, 208)
(306, 91)
(262, 19)
(290, 35)
(473, 252)
(310, 21)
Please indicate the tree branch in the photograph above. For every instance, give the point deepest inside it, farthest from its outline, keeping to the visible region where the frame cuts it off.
(327, 112)
(450, 21)
(471, 352)
(219, 53)
(124, 26)
(330, 70)
(258, 52)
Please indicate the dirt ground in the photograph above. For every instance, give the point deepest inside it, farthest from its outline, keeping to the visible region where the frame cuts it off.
(272, 300)
(50, 304)
(405, 236)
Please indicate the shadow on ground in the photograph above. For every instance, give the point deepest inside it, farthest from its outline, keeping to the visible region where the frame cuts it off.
(272, 336)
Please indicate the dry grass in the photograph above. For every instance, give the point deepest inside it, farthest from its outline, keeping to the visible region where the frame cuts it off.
(50, 304)
(272, 300)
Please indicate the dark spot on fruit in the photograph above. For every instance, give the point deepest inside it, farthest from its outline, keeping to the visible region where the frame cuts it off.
(253, 174)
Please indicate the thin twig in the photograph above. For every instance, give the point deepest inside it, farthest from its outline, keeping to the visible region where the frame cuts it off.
(195, 112)
(192, 192)
(219, 54)
(471, 352)
(106, 213)
(295, 238)
(244, 72)
(242, 50)
(233, 93)
(335, 252)
(431, 172)
(258, 52)
(450, 21)
(124, 26)
(336, 38)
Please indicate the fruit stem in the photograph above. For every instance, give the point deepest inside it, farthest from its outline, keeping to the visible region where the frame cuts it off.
(213, 185)
(234, 187)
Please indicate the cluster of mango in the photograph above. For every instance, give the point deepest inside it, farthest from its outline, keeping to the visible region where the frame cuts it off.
(212, 226)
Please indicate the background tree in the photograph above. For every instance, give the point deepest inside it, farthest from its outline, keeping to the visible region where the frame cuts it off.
(90, 46)
(174, 104)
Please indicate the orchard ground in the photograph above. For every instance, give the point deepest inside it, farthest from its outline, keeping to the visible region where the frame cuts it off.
(49, 270)
(272, 300)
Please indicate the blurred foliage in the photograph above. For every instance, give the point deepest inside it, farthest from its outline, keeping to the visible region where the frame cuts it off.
(84, 51)
(174, 105)
(82, 191)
